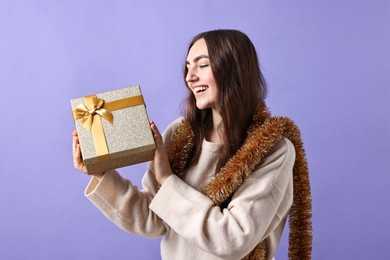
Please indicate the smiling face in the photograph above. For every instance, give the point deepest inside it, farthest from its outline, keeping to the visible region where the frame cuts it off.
(200, 77)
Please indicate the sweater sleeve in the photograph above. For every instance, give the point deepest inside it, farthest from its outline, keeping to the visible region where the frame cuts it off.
(124, 204)
(257, 208)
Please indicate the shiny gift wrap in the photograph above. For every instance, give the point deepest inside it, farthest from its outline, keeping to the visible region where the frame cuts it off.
(113, 129)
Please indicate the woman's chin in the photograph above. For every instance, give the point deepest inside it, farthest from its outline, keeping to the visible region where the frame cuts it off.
(201, 106)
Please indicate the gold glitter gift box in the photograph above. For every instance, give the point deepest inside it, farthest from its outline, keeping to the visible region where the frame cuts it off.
(113, 129)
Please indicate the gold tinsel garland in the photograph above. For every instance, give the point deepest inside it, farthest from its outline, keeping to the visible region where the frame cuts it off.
(264, 132)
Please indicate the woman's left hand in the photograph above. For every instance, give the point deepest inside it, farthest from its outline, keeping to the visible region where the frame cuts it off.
(162, 168)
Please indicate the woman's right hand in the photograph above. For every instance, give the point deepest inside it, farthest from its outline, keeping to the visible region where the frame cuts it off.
(77, 158)
(78, 162)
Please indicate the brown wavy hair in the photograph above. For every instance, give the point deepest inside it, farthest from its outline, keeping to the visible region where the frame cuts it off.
(241, 89)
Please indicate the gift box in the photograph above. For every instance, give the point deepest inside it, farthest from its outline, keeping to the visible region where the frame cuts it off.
(113, 129)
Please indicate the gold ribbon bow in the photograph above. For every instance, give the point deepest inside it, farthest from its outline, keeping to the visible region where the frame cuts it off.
(86, 113)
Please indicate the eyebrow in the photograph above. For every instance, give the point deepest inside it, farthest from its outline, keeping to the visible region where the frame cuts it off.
(198, 58)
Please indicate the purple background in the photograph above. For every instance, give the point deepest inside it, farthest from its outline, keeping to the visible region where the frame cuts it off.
(327, 65)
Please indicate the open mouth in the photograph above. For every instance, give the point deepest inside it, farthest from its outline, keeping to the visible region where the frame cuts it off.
(200, 89)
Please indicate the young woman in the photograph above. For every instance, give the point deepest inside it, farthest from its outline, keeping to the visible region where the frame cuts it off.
(226, 175)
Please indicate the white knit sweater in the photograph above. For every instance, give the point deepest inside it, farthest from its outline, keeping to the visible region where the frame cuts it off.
(191, 226)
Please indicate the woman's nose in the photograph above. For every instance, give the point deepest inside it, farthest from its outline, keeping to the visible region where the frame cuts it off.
(191, 75)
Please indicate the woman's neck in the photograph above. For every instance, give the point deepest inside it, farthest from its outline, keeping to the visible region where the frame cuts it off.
(215, 134)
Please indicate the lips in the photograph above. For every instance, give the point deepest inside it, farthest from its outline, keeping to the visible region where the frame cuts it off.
(199, 89)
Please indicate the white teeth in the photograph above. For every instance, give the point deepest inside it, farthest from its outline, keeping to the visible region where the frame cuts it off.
(201, 88)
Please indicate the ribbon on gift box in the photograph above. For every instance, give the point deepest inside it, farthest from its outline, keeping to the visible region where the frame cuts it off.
(91, 114)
